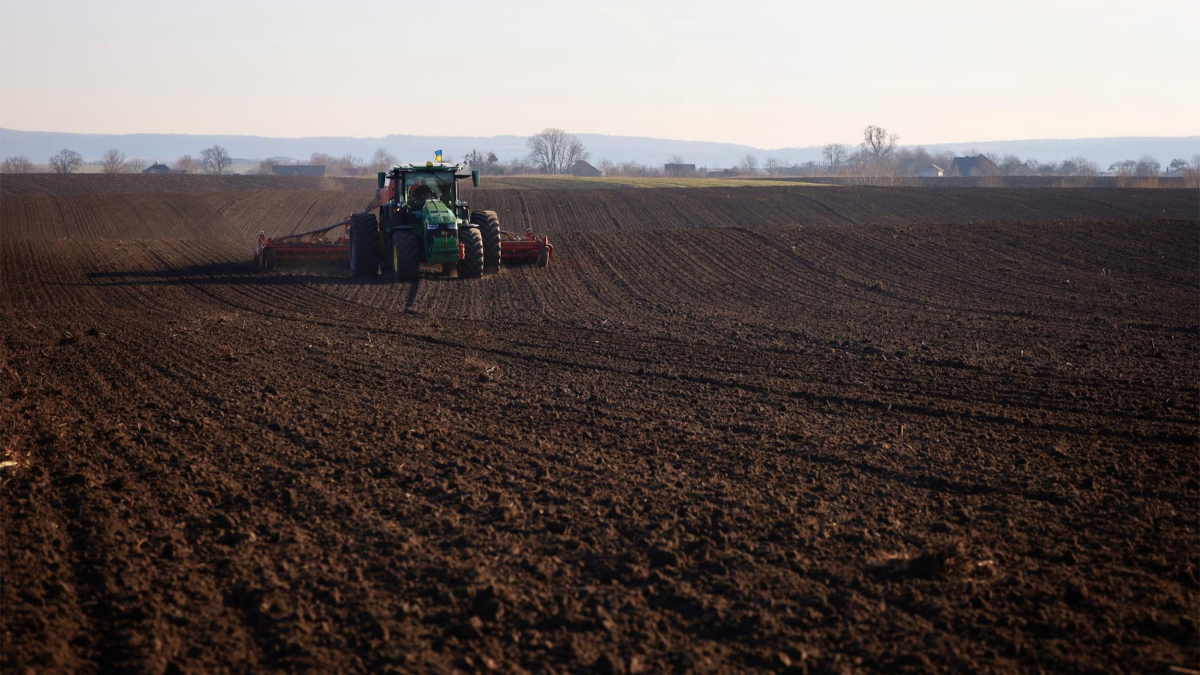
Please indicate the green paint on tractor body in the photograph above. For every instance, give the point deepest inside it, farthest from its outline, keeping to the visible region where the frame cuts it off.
(424, 200)
(442, 226)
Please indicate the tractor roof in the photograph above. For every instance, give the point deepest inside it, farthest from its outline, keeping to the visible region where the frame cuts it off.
(428, 167)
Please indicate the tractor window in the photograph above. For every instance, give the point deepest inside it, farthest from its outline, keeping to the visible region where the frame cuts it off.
(419, 187)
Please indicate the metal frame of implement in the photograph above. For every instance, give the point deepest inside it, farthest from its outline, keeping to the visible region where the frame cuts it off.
(528, 249)
(271, 251)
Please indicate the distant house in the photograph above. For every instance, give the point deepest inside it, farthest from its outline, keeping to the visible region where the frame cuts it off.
(724, 173)
(582, 169)
(931, 171)
(298, 170)
(157, 168)
(679, 169)
(973, 166)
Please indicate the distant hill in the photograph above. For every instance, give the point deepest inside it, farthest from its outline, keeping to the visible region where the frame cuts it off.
(40, 145)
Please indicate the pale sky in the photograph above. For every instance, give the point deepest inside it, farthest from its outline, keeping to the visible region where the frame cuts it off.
(767, 74)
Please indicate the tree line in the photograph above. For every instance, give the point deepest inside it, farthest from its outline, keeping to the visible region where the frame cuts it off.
(554, 151)
(214, 160)
(879, 155)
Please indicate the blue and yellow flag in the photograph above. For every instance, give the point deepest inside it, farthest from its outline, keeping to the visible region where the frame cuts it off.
(438, 155)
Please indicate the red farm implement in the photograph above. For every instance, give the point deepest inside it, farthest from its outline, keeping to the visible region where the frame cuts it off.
(318, 248)
(516, 250)
(312, 248)
(418, 218)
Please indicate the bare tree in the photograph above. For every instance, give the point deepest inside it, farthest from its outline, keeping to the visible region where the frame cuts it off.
(676, 159)
(809, 168)
(215, 160)
(113, 161)
(66, 161)
(518, 166)
(835, 155)
(345, 165)
(773, 166)
(878, 147)
(17, 164)
(635, 168)
(911, 161)
(879, 142)
(1124, 171)
(135, 165)
(1078, 166)
(1192, 172)
(382, 160)
(555, 151)
(186, 164)
(607, 166)
(266, 166)
(1178, 166)
(1008, 164)
(483, 162)
(349, 165)
(1146, 167)
(749, 164)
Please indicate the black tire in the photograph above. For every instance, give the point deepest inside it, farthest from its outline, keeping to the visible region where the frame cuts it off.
(364, 245)
(471, 266)
(406, 256)
(385, 260)
(543, 257)
(269, 259)
(489, 228)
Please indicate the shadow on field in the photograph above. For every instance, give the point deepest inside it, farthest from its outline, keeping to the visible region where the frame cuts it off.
(233, 274)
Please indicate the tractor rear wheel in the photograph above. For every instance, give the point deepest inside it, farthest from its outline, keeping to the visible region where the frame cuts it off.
(543, 259)
(269, 258)
(406, 255)
(489, 227)
(364, 245)
(471, 266)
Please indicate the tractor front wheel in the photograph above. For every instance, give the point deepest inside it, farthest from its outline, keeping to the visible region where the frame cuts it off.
(489, 228)
(364, 245)
(406, 255)
(471, 266)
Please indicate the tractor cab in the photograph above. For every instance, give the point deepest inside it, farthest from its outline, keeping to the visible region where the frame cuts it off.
(419, 189)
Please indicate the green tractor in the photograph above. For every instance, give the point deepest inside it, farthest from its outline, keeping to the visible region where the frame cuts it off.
(422, 221)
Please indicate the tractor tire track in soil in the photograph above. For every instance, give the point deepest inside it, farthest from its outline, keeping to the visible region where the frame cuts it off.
(746, 430)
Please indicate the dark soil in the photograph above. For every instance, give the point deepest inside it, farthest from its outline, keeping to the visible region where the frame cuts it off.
(695, 443)
(94, 183)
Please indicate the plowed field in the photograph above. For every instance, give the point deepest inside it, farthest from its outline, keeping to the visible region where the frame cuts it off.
(731, 430)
